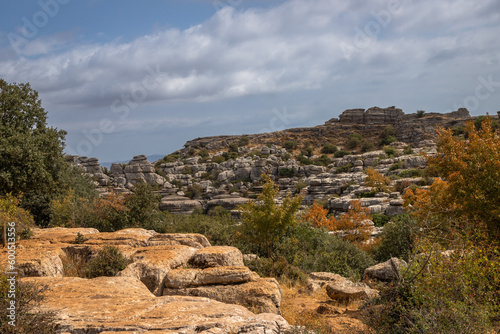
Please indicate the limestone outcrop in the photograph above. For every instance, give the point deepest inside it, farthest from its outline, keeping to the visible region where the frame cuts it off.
(124, 304)
(176, 283)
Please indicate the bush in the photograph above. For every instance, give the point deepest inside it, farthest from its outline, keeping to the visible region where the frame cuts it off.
(390, 151)
(264, 223)
(108, 262)
(354, 140)
(341, 153)
(303, 160)
(290, 145)
(243, 141)
(398, 239)
(194, 191)
(380, 219)
(411, 173)
(280, 269)
(11, 212)
(287, 172)
(344, 169)
(397, 165)
(218, 159)
(377, 181)
(28, 297)
(233, 147)
(203, 153)
(367, 146)
(408, 150)
(420, 113)
(329, 149)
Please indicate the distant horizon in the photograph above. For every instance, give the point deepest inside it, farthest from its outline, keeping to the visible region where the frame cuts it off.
(125, 78)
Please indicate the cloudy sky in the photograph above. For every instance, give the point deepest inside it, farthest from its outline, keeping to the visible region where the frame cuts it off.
(129, 77)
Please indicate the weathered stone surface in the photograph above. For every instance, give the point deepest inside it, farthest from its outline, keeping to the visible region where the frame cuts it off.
(184, 278)
(152, 264)
(217, 256)
(189, 239)
(125, 305)
(134, 237)
(228, 202)
(40, 259)
(385, 271)
(60, 234)
(179, 204)
(347, 290)
(261, 296)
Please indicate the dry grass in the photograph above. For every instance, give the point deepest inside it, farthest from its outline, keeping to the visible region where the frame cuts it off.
(318, 313)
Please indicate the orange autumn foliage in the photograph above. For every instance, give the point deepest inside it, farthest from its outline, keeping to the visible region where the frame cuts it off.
(470, 191)
(353, 221)
(377, 181)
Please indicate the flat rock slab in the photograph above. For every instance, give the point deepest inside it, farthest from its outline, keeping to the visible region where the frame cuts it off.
(261, 296)
(217, 256)
(60, 234)
(185, 278)
(125, 305)
(194, 240)
(347, 290)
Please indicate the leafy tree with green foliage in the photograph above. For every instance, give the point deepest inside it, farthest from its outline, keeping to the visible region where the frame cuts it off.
(142, 204)
(265, 223)
(31, 153)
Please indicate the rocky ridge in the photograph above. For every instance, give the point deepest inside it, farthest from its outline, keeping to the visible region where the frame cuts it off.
(225, 170)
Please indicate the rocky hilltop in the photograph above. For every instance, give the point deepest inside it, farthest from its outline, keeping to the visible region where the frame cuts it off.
(225, 171)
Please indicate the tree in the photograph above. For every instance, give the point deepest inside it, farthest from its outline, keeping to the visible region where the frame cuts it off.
(377, 180)
(265, 223)
(470, 191)
(31, 153)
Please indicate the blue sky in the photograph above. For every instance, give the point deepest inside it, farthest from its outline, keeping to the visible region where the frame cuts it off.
(143, 77)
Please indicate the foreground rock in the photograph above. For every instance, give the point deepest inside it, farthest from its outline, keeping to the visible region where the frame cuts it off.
(124, 304)
(338, 287)
(386, 271)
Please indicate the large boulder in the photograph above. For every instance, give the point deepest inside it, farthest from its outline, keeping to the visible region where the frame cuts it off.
(152, 264)
(184, 278)
(345, 289)
(261, 296)
(123, 304)
(217, 256)
(386, 271)
(39, 259)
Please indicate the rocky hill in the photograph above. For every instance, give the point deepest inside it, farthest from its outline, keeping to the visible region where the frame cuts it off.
(325, 162)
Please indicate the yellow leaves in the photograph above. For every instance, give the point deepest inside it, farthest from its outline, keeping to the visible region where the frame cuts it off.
(377, 180)
(10, 211)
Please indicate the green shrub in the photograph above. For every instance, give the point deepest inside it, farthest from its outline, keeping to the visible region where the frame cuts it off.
(287, 172)
(408, 150)
(398, 239)
(455, 294)
(171, 157)
(280, 269)
(143, 206)
(397, 165)
(219, 228)
(323, 160)
(341, 153)
(366, 194)
(367, 146)
(314, 249)
(233, 147)
(411, 173)
(194, 191)
(388, 140)
(380, 219)
(390, 151)
(290, 145)
(28, 297)
(203, 153)
(303, 160)
(218, 159)
(108, 262)
(219, 211)
(420, 113)
(243, 141)
(344, 169)
(354, 140)
(329, 149)
(230, 155)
